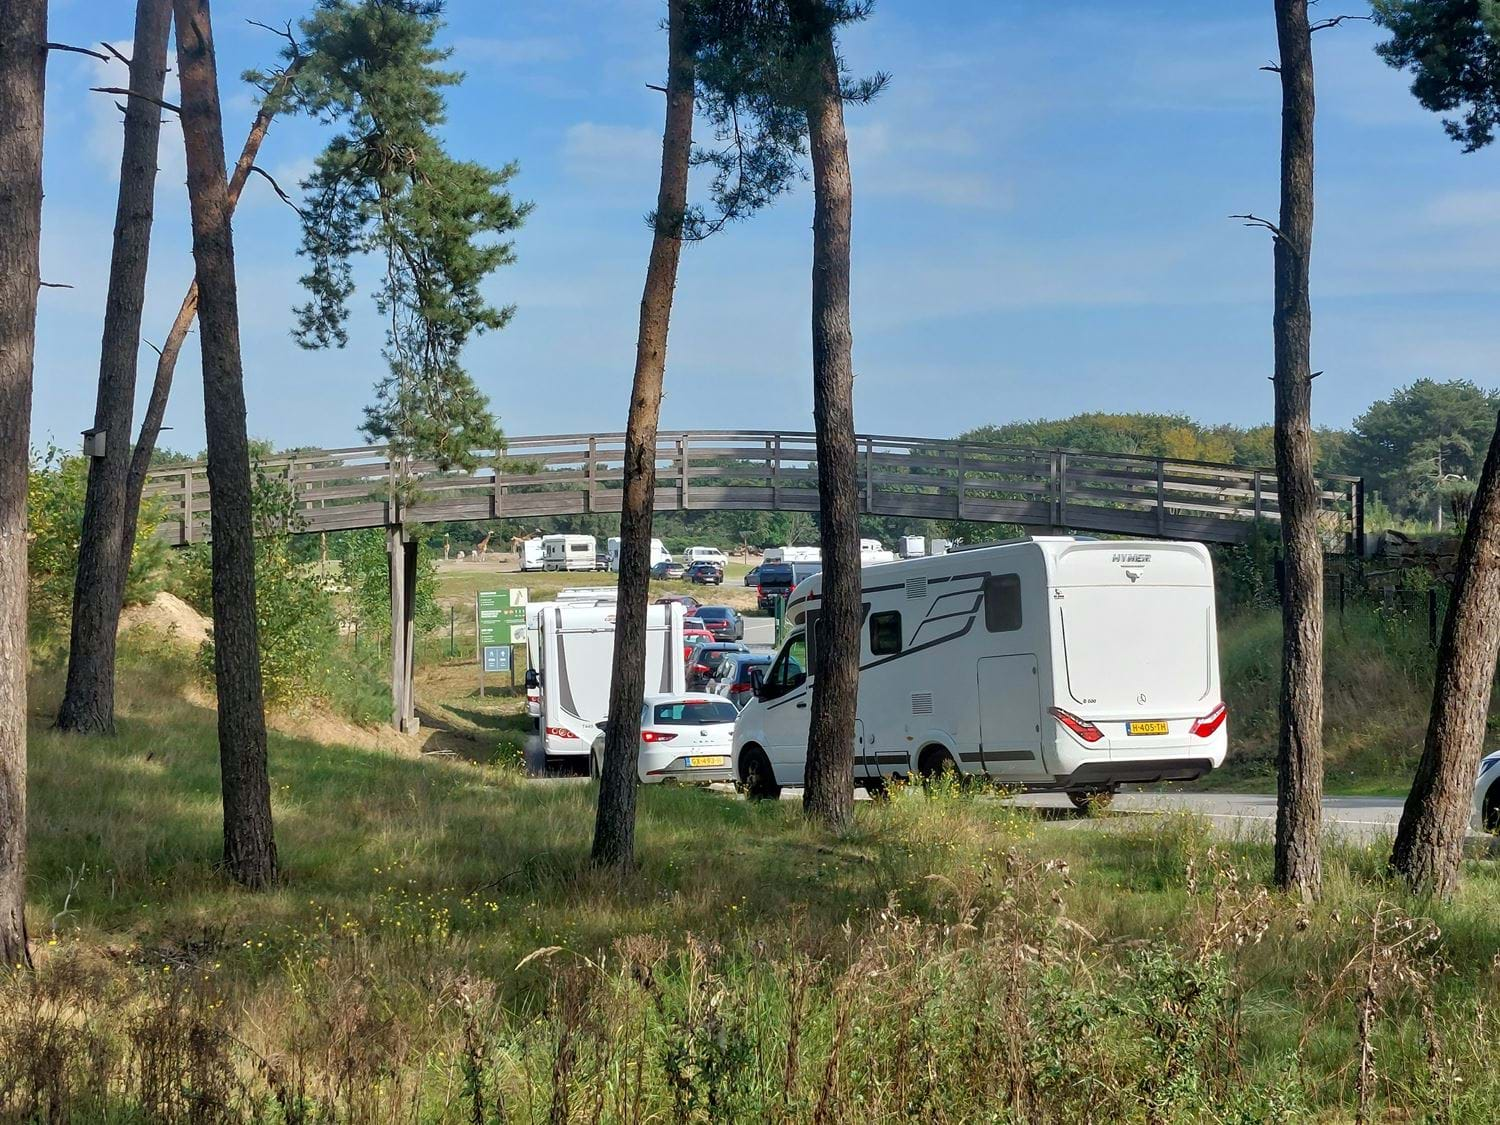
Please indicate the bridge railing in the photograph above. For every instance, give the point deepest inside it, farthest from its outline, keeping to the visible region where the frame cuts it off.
(573, 474)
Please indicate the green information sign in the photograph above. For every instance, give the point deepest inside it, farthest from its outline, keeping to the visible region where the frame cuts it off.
(501, 617)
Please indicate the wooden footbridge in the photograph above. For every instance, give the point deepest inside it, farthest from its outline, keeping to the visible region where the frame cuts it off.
(775, 470)
(537, 478)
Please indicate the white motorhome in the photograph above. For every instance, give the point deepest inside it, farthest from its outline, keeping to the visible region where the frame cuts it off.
(659, 554)
(568, 552)
(530, 553)
(574, 596)
(704, 554)
(793, 554)
(575, 649)
(911, 546)
(1047, 663)
(871, 552)
(590, 594)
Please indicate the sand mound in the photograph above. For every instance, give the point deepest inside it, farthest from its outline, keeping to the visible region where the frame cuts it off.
(170, 616)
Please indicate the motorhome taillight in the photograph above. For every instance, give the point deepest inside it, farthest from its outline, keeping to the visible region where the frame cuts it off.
(1211, 722)
(560, 732)
(657, 736)
(1081, 727)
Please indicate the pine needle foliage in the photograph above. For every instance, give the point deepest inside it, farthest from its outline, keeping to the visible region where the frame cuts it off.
(385, 187)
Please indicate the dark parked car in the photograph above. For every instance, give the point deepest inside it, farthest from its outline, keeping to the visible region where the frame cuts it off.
(601, 562)
(704, 662)
(706, 574)
(671, 570)
(724, 623)
(778, 580)
(689, 603)
(752, 576)
(732, 680)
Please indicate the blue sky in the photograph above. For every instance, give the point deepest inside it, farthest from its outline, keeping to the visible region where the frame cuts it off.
(1041, 202)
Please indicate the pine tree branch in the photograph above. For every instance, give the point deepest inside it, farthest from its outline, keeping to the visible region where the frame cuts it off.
(1257, 221)
(1334, 21)
(285, 198)
(100, 55)
(136, 94)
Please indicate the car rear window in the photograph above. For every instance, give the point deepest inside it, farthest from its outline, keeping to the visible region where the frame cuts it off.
(711, 613)
(695, 712)
(776, 576)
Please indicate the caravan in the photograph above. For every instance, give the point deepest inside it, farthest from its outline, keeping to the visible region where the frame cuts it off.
(575, 647)
(793, 555)
(659, 554)
(1047, 663)
(568, 552)
(529, 551)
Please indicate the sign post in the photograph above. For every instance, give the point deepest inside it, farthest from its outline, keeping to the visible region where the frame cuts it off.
(499, 622)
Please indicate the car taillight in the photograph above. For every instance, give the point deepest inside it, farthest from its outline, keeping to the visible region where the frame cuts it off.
(656, 736)
(560, 732)
(739, 687)
(1209, 723)
(701, 669)
(1081, 727)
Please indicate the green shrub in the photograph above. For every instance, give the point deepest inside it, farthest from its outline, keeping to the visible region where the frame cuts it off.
(363, 557)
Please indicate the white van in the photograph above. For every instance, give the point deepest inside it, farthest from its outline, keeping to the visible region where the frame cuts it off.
(911, 546)
(575, 650)
(568, 552)
(871, 552)
(704, 554)
(531, 555)
(1046, 663)
(793, 554)
(659, 554)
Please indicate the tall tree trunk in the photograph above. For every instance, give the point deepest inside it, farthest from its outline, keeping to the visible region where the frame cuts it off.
(88, 703)
(23, 61)
(249, 849)
(1429, 842)
(614, 823)
(828, 796)
(1299, 780)
(166, 360)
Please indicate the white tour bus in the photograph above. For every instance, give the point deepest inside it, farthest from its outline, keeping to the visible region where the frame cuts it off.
(1046, 663)
(568, 552)
(704, 554)
(659, 554)
(575, 650)
(531, 555)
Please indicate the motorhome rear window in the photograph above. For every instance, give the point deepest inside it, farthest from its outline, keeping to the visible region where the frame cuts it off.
(885, 633)
(695, 712)
(1002, 603)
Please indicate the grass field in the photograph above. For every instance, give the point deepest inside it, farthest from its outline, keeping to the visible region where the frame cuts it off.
(441, 950)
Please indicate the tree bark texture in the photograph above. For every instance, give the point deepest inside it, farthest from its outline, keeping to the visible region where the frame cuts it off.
(828, 796)
(1299, 773)
(166, 361)
(614, 823)
(249, 848)
(1429, 842)
(23, 61)
(88, 703)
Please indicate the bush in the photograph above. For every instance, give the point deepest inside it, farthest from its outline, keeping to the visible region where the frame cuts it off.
(55, 491)
(363, 557)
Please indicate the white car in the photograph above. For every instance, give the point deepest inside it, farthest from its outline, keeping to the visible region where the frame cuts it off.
(684, 737)
(1487, 794)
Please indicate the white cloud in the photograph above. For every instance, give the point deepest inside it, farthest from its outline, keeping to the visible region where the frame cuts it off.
(610, 151)
(1464, 208)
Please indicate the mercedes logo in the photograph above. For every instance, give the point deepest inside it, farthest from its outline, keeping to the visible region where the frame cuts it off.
(1141, 699)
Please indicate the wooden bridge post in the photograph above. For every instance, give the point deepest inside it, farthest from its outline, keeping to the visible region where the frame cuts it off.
(1161, 497)
(1257, 496)
(187, 505)
(402, 557)
(960, 482)
(682, 466)
(592, 483)
(1060, 515)
(776, 475)
(869, 476)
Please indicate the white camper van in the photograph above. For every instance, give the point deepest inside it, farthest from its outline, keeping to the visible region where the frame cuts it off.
(576, 646)
(573, 596)
(704, 554)
(871, 552)
(659, 554)
(1046, 663)
(568, 552)
(793, 554)
(531, 555)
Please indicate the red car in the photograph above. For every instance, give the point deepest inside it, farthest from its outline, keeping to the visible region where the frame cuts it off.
(694, 633)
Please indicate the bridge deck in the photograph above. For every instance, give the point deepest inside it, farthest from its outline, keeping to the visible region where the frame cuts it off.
(575, 474)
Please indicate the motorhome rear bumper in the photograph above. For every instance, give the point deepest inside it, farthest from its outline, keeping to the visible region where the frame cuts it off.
(1119, 773)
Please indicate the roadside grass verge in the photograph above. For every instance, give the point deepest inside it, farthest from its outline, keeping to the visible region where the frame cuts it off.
(442, 950)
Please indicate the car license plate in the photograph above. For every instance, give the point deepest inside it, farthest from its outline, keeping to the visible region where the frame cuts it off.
(710, 760)
(1154, 726)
